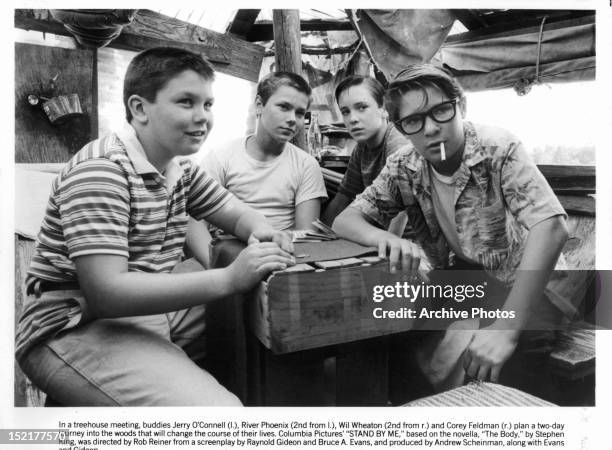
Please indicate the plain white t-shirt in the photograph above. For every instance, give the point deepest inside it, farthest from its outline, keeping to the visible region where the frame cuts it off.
(274, 187)
(443, 196)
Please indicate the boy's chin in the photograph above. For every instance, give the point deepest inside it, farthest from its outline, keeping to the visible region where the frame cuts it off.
(191, 150)
(283, 139)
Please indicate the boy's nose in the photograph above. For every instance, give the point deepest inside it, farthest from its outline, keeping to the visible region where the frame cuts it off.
(201, 115)
(431, 126)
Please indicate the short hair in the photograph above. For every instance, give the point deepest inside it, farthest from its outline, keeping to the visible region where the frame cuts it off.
(418, 77)
(376, 89)
(274, 80)
(152, 69)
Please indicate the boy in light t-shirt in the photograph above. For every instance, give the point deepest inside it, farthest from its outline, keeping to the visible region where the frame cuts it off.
(264, 170)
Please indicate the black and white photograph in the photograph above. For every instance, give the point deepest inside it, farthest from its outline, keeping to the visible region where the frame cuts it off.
(270, 228)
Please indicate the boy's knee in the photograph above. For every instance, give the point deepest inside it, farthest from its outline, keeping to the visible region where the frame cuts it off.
(197, 388)
(210, 396)
(229, 399)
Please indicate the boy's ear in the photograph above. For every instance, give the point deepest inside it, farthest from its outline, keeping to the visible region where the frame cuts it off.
(463, 106)
(137, 107)
(258, 106)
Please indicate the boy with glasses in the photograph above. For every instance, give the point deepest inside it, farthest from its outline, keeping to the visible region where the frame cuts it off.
(475, 200)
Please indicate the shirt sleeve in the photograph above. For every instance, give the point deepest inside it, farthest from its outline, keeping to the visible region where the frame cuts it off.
(95, 209)
(526, 192)
(206, 195)
(382, 200)
(312, 184)
(352, 182)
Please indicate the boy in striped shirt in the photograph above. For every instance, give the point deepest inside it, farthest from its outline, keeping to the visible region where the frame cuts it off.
(106, 323)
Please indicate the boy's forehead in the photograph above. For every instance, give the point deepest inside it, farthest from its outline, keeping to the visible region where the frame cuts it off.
(421, 99)
(188, 79)
(357, 93)
(290, 94)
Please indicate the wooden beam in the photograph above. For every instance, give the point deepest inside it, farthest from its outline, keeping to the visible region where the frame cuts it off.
(578, 205)
(243, 22)
(287, 42)
(577, 180)
(323, 50)
(263, 30)
(39, 20)
(227, 54)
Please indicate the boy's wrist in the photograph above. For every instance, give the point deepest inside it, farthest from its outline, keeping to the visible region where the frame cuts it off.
(381, 235)
(227, 283)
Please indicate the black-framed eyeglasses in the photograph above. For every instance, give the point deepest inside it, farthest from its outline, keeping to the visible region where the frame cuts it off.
(441, 113)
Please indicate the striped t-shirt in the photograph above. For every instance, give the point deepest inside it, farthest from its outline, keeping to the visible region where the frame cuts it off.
(366, 163)
(110, 200)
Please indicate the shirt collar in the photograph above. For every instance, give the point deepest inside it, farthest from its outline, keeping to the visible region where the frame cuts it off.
(142, 165)
(473, 153)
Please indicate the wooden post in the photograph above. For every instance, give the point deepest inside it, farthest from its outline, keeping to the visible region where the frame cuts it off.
(288, 50)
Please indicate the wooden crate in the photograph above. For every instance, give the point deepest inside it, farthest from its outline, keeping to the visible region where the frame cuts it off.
(298, 311)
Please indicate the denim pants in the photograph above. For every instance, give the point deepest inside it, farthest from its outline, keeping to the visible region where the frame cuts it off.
(130, 361)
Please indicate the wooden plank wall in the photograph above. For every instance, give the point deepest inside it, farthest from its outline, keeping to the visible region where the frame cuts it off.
(25, 393)
(36, 139)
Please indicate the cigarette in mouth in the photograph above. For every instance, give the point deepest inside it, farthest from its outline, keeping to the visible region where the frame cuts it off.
(442, 152)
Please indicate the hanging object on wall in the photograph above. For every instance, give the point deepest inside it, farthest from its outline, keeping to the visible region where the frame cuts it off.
(58, 109)
(94, 28)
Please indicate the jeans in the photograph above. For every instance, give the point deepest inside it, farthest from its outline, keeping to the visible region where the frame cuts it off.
(130, 361)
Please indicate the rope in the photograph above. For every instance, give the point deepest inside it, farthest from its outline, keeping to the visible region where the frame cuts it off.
(537, 75)
(523, 85)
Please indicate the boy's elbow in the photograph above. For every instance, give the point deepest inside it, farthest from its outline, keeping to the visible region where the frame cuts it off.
(99, 305)
(558, 230)
(344, 219)
(563, 231)
(338, 221)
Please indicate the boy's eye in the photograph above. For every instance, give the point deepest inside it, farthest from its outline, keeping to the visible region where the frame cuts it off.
(186, 101)
(208, 105)
(362, 107)
(412, 120)
(344, 112)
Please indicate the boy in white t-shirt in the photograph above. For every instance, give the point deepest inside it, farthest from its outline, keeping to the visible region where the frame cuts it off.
(264, 169)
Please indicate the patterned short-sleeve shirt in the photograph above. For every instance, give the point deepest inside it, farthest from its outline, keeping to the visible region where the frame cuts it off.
(499, 195)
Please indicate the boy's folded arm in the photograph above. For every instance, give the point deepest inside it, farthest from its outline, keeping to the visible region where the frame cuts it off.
(112, 291)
